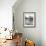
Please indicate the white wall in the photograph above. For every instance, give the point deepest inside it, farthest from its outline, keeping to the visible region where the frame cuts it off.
(39, 33)
(28, 6)
(43, 22)
(6, 13)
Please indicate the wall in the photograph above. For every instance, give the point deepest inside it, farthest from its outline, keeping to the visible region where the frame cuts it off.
(43, 22)
(28, 6)
(6, 13)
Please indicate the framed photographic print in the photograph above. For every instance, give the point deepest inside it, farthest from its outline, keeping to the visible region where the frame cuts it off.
(29, 19)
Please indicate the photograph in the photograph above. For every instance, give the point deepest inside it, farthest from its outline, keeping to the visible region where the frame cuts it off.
(29, 19)
(22, 22)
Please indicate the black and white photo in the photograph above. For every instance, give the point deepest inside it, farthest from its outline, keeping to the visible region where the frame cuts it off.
(29, 19)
